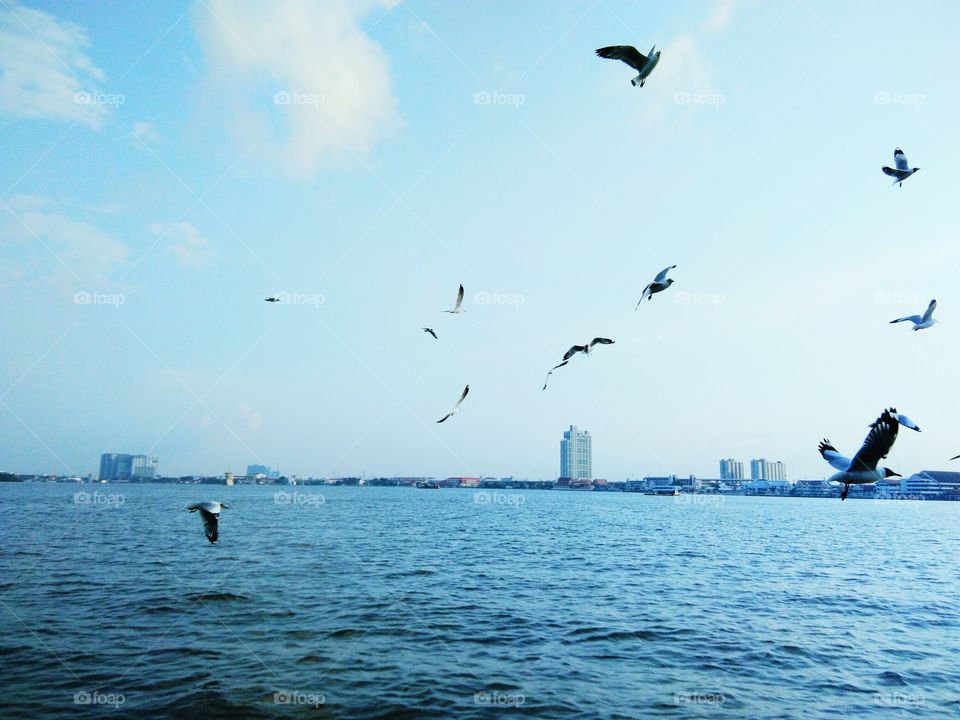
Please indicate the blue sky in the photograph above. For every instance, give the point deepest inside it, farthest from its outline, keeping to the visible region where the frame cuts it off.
(166, 167)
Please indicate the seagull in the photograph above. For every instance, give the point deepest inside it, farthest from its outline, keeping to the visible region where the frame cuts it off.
(902, 170)
(456, 408)
(643, 64)
(920, 323)
(271, 299)
(456, 308)
(659, 284)
(585, 349)
(210, 513)
(430, 330)
(863, 468)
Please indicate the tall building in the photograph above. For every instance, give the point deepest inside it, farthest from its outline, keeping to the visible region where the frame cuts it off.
(731, 469)
(576, 454)
(763, 469)
(119, 466)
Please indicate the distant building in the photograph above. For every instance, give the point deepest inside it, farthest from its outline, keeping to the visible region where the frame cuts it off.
(763, 469)
(265, 470)
(121, 467)
(576, 454)
(731, 469)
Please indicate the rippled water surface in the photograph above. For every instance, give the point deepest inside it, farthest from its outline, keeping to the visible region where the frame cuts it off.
(402, 603)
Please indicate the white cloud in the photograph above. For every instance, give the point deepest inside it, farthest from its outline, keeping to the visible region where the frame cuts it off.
(718, 20)
(44, 72)
(246, 419)
(42, 240)
(307, 65)
(184, 241)
(145, 133)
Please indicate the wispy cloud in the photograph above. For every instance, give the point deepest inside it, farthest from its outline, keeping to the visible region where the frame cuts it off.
(146, 133)
(185, 242)
(307, 68)
(44, 70)
(43, 240)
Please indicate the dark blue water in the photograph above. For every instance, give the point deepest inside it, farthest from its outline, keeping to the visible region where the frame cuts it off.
(402, 603)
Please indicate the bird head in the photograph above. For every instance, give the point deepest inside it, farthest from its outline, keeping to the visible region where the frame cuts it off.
(669, 282)
(224, 505)
(887, 472)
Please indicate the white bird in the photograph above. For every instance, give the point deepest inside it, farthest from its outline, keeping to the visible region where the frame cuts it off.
(456, 408)
(902, 170)
(210, 514)
(862, 469)
(643, 64)
(585, 349)
(456, 308)
(919, 323)
(659, 284)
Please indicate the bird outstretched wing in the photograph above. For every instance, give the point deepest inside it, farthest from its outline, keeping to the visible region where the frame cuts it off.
(929, 311)
(882, 435)
(900, 160)
(662, 275)
(830, 454)
(573, 351)
(625, 53)
(601, 341)
(911, 318)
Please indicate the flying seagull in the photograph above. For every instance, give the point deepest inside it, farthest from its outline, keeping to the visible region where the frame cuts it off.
(272, 299)
(863, 468)
(902, 170)
(430, 330)
(456, 308)
(659, 284)
(456, 408)
(643, 64)
(210, 514)
(919, 323)
(585, 349)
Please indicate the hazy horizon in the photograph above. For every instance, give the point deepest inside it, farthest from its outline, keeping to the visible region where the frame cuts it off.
(167, 167)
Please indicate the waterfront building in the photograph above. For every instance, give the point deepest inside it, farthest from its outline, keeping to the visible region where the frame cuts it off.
(122, 467)
(731, 469)
(576, 454)
(763, 469)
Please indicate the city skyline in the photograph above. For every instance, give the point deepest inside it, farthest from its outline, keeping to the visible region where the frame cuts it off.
(156, 189)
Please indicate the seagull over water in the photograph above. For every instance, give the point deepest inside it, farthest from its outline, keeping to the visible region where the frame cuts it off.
(920, 322)
(643, 64)
(457, 306)
(210, 514)
(902, 170)
(271, 299)
(456, 408)
(585, 349)
(659, 284)
(862, 469)
(430, 330)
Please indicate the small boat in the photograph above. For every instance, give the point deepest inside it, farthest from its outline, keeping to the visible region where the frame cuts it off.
(427, 485)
